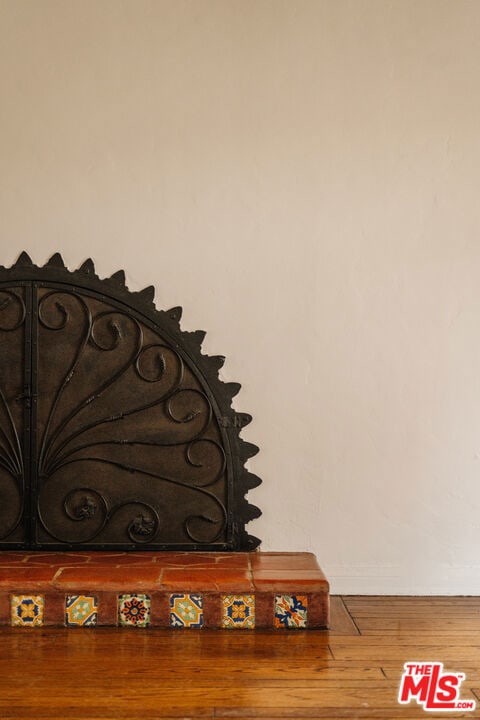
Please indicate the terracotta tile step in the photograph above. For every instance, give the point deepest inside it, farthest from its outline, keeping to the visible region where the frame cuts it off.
(238, 590)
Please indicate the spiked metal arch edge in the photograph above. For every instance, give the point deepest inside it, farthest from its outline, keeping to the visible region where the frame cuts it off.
(188, 345)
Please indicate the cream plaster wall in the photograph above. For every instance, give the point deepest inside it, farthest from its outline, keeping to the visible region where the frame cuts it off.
(303, 178)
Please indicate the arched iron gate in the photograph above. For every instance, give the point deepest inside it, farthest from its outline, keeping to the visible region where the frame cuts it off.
(115, 431)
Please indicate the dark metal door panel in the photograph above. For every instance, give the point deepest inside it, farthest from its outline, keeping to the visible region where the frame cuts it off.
(115, 430)
(14, 400)
(127, 445)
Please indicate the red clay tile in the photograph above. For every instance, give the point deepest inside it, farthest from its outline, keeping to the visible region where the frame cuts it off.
(264, 610)
(4, 608)
(233, 560)
(12, 557)
(108, 578)
(203, 560)
(54, 613)
(56, 559)
(212, 610)
(318, 610)
(283, 561)
(103, 557)
(193, 580)
(160, 610)
(107, 608)
(289, 580)
(121, 559)
(106, 574)
(23, 579)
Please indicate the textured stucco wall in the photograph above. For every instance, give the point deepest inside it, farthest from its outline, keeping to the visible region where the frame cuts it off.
(303, 178)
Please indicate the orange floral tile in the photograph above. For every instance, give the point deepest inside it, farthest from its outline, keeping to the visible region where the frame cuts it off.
(134, 610)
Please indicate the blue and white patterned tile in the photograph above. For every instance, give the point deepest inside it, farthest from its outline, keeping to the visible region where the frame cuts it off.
(238, 611)
(27, 610)
(186, 610)
(291, 611)
(81, 610)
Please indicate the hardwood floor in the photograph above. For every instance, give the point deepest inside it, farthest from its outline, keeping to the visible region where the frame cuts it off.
(352, 671)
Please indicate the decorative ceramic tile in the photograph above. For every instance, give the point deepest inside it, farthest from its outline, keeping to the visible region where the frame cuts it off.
(134, 610)
(27, 610)
(80, 610)
(238, 611)
(290, 611)
(186, 610)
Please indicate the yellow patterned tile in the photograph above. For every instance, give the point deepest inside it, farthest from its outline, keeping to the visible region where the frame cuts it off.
(238, 611)
(80, 610)
(186, 610)
(27, 610)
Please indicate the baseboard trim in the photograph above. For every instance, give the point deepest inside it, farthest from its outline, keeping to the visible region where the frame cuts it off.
(402, 580)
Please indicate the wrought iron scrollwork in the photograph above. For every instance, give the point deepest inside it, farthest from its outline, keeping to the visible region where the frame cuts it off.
(12, 321)
(8, 300)
(131, 420)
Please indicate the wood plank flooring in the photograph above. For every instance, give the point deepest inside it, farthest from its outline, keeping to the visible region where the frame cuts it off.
(351, 671)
